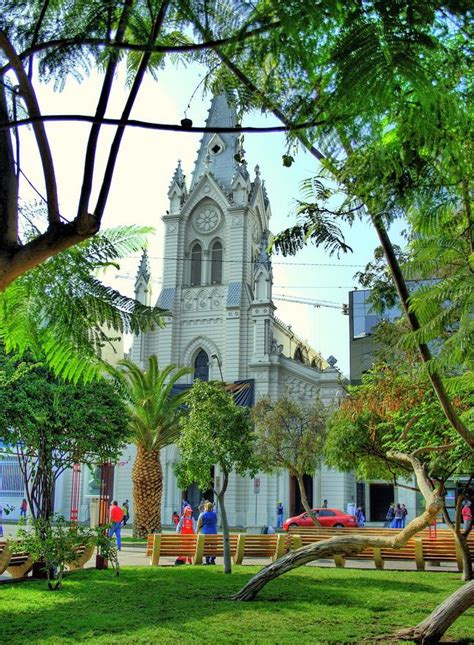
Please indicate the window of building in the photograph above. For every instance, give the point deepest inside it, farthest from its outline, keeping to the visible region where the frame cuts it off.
(196, 264)
(11, 479)
(216, 263)
(201, 366)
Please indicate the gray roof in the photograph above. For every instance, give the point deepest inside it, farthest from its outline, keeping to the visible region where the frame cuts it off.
(221, 165)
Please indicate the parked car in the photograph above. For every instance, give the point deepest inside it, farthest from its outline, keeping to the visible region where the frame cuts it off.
(332, 517)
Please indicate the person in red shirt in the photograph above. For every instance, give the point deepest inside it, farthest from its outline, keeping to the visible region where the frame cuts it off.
(116, 517)
(186, 526)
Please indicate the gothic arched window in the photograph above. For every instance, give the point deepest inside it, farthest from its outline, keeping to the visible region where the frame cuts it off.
(201, 366)
(216, 263)
(196, 264)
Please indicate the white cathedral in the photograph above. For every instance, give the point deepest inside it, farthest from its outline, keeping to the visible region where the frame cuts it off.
(217, 284)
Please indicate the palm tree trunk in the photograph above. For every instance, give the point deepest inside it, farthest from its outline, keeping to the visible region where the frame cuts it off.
(147, 478)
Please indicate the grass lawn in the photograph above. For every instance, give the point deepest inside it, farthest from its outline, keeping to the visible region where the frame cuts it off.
(190, 605)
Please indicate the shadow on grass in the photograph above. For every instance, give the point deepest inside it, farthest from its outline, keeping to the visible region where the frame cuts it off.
(193, 604)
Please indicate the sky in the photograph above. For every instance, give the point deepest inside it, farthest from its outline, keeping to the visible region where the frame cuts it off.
(139, 192)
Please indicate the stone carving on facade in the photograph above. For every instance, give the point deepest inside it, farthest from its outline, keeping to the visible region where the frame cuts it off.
(300, 389)
(203, 299)
(216, 299)
(188, 300)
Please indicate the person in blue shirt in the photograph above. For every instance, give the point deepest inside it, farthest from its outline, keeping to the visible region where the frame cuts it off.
(207, 524)
(280, 515)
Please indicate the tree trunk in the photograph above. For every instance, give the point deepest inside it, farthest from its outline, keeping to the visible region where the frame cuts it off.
(225, 535)
(225, 525)
(147, 478)
(304, 500)
(347, 545)
(8, 182)
(434, 626)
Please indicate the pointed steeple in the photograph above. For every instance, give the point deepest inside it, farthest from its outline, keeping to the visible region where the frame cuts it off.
(263, 257)
(143, 274)
(177, 191)
(217, 151)
(178, 178)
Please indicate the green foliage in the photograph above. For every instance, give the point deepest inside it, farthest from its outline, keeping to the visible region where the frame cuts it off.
(52, 424)
(57, 543)
(394, 409)
(215, 432)
(154, 410)
(62, 312)
(289, 435)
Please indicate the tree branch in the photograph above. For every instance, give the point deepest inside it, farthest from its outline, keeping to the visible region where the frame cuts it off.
(99, 114)
(147, 125)
(29, 96)
(115, 147)
(447, 446)
(64, 43)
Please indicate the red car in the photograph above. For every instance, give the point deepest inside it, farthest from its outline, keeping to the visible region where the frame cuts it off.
(326, 516)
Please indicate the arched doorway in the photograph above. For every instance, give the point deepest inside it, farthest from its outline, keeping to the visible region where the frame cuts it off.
(201, 366)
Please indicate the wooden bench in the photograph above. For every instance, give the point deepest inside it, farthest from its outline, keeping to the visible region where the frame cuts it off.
(19, 564)
(5, 555)
(271, 546)
(84, 553)
(421, 548)
(171, 545)
(242, 545)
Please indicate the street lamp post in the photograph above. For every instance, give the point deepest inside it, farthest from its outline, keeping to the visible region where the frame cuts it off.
(219, 363)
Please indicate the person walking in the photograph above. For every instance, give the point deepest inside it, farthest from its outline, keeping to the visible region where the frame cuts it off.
(325, 503)
(396, 522)
(404, 515)
(207, 524)
(116, 518)
(467, 516)
(175, 518)
(23, 508)
(279, 515)
(360, 517)
(126, 512)
(390, 515)
(186, 526)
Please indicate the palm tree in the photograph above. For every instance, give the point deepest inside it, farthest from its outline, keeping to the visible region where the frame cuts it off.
(155, 413)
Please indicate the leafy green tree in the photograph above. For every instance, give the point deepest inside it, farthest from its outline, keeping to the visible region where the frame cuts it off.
(51, 425)
(155, 413)
(290, 436)
(61, 312)
(216, 432)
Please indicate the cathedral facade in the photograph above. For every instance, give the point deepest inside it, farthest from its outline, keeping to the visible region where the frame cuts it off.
(217, 286)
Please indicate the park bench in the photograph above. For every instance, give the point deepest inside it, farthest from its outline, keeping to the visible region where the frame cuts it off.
(5, 555)
(422, 548)
(171, 545)
(242, 545)
(19, 564)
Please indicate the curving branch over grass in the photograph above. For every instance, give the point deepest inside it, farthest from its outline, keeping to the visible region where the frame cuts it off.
(348, 545)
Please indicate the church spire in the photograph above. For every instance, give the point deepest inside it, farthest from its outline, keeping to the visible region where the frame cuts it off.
(217, 151)
(178, 177)
(143, 279)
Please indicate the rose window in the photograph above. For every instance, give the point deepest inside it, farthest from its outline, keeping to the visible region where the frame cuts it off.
(207, 220)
